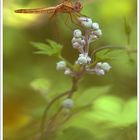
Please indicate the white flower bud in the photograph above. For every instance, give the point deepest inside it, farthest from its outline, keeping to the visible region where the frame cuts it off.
(105, 66)
(100, 72)
(83, 55)
(98, 32)
(77, 33)
(76, 40)
(93, 37)
(61, 65)
(76, 45)
(83, 42)
(95, 26)
(67, 71)
(99, 64)
(86, 22)
(68, 103)
(83, 59)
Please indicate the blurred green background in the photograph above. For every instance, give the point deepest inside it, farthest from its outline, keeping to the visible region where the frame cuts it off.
(23, 105)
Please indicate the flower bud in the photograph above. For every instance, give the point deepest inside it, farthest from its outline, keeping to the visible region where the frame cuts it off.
(67, 71)
(76, 45)
(77, 33)
(74, 39)
(68, 103)
(105, 66)
(99, 64)
(61, 65)
(83, 59)
(86, 22)
(93, 37)
(100, 72)
(98, 32)
(95, 26)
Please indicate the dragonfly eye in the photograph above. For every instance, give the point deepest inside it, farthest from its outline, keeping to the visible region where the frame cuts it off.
(78, 6)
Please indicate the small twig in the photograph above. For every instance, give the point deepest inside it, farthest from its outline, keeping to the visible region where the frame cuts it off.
(87, 42)
(74, 87)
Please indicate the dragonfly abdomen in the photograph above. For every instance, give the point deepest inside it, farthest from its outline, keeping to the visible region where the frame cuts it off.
(36, 11)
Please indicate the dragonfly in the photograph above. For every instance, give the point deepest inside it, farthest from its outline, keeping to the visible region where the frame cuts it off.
(65, 7)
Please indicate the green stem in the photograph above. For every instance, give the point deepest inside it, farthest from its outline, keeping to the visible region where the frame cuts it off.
(69, 93)
(46, 111)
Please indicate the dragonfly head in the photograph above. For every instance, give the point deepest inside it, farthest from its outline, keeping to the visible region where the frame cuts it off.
(77, 6)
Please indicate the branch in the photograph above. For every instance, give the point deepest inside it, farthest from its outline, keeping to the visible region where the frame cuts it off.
(69, 93)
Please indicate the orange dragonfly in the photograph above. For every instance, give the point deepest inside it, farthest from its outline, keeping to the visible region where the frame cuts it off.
(65, 7)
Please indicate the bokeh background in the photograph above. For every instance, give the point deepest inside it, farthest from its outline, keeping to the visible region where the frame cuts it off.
(26, 72)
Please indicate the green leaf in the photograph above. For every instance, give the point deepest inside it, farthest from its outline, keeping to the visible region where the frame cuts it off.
(51, 48)
(114, 111)
(41, 84)
(108, 54)
(75, 133)
(91, 94)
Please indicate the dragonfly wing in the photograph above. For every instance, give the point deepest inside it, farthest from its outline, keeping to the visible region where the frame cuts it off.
(48, 10)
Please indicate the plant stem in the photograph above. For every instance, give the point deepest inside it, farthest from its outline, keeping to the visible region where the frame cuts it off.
(69, 93)
(46, 111)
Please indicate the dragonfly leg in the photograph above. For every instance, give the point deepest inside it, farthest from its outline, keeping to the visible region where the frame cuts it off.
(67, 21)
(52, 16)
(81, 15)
(73, 20)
